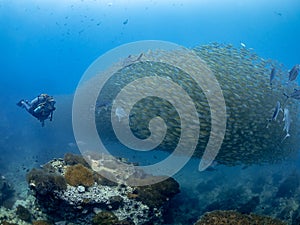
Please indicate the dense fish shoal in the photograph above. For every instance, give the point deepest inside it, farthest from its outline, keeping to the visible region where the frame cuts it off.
(252, 136)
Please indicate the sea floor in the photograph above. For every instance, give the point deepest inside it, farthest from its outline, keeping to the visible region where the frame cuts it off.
(272, 190)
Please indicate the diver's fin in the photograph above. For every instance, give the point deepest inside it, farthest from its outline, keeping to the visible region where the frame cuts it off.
(20, 104)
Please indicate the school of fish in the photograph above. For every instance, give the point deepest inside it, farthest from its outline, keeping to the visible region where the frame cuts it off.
(261, 96)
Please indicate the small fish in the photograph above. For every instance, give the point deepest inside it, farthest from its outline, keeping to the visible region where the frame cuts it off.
(272, 75)
(243, 45)
(129, 60)
(287, 123)
(294, 95)
(275, 113)
(139, 58)
(278, 13)
(125, 22)
(293, 73)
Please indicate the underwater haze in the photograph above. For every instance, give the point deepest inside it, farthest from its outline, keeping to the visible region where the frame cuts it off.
(46, 46)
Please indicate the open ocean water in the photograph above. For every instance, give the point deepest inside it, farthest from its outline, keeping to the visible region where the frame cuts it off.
(46, 47)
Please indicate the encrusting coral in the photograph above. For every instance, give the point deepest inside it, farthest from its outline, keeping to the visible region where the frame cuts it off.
(89, 195)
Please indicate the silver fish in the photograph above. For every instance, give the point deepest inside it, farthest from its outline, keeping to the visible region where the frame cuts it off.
(129, 60)
(272, 75)
(275, 113)
(287, 123)
(293, 73)
(294, 95)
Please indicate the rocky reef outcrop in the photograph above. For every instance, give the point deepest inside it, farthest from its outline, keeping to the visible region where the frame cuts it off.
(70, 190)
(236, 218)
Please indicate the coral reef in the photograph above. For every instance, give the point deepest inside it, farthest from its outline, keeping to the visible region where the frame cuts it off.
(108, 218)
(156, 195)
(68, 191)
(105, 218)
(44, 182)
(23, 212)
(79, 175)
(235, 218)
(86, 196)
(72, 159)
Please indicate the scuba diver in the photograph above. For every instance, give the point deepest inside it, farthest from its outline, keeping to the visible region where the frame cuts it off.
(41, 107)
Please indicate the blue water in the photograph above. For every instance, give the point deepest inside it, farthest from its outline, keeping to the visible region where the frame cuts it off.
(46, 46)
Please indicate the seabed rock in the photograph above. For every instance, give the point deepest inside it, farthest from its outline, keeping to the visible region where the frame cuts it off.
(235, 218)
(85, 196)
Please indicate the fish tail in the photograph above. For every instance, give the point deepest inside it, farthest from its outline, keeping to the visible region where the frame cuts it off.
(268, 123)
(286, 136)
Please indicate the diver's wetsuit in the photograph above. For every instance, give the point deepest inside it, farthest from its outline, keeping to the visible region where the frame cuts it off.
(41, 107)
